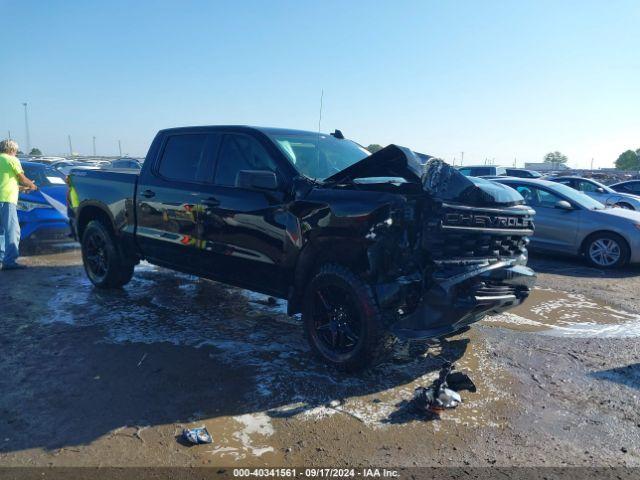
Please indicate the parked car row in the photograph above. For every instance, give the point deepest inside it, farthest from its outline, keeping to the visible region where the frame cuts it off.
(65, 165)
(570, 222)
(575, 215)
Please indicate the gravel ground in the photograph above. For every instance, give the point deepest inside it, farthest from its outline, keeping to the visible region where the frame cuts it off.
(99, 378)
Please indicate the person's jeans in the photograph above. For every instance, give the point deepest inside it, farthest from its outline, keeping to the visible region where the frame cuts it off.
(9, 233)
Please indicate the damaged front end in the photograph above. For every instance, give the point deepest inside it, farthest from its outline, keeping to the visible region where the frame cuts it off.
(447, 255)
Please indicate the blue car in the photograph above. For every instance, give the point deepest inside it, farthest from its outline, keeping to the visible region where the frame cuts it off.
(42, 220)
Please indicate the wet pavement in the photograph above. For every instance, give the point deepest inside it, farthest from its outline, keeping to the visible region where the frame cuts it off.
(554, 312)
(112, 378)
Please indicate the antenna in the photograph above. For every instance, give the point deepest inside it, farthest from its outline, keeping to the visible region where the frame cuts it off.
(319, 125)
(320, 116)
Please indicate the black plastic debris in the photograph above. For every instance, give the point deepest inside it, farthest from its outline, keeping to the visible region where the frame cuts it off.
(196, 435)
(442, 394)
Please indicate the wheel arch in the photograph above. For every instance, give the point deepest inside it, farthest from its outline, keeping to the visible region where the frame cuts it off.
(348, 252)
(587, 238)
(90, 212)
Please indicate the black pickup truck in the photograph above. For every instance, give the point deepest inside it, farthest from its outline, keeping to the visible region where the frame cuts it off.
(367, 247)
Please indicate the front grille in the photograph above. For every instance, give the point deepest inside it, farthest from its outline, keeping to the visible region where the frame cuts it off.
(453, 246)
(474, 235)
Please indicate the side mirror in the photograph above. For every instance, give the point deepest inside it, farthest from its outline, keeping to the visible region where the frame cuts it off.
(600, 190)
(257, 180)
(563, 205)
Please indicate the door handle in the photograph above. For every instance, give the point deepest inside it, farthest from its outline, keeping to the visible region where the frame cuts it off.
(148, 194)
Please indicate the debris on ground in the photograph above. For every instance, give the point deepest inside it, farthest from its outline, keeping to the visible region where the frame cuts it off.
(196, 435)
(438, 396)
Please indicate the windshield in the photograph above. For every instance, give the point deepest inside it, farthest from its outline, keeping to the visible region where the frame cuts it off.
(318, 156)
(580, 198)
(43, 175)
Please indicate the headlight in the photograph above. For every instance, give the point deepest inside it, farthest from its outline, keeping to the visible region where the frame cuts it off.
(28, 206)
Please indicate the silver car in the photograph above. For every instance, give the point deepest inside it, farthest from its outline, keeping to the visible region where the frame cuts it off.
(600, 192)
(568, 221)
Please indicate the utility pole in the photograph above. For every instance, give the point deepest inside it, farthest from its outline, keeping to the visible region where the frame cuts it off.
(591, 163)
(26, 126)
(70, 146)
(94, 146)
(120, 147)
(514, 162)
(9, 134)
(461, 158)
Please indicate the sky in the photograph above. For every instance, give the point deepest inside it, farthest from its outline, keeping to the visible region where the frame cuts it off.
(503, 80)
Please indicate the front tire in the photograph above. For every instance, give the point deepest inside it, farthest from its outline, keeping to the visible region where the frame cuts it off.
(104, 264)
(342, 321)
(606, 250)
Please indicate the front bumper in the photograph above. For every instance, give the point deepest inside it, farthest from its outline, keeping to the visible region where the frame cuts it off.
(460, 298)
(43, 226)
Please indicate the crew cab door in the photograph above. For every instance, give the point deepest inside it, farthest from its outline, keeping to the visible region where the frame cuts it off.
(170, 196)
(245, 228)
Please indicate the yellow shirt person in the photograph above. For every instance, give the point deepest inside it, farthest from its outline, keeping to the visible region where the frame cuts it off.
(11, 177)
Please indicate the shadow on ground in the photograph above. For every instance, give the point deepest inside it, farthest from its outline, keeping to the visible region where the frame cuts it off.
(168, 348)
(575, 267)
(628, 375)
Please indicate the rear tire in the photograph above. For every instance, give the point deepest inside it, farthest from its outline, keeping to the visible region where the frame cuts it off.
(606, 250)
(342, 321)
(104, 264)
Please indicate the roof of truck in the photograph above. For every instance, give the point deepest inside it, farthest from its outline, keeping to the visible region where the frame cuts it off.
(265, 130)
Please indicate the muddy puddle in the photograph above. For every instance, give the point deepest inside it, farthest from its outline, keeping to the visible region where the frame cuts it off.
(552, 312)
(237, 330)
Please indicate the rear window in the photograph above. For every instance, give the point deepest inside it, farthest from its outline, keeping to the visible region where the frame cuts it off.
(183, 158)
(480, 171)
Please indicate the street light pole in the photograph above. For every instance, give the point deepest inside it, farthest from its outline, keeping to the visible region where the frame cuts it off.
(26, 126)
(120, 147)
(94, 146)
(70, 146)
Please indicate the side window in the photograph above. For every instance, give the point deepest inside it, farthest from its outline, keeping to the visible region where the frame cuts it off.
(241, 152)
(182, 158)
(547, 199)
(633, 187)
(536, 197)
(527, 193)
(478, 172)
(465, 171)
(587, 187)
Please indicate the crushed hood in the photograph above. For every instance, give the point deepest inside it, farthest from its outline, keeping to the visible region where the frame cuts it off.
(439, 179)
(391, 161)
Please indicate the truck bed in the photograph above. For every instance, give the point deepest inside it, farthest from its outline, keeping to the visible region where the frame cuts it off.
(112, 191)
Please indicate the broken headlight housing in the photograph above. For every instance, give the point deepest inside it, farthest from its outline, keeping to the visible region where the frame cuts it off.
(26, 206)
